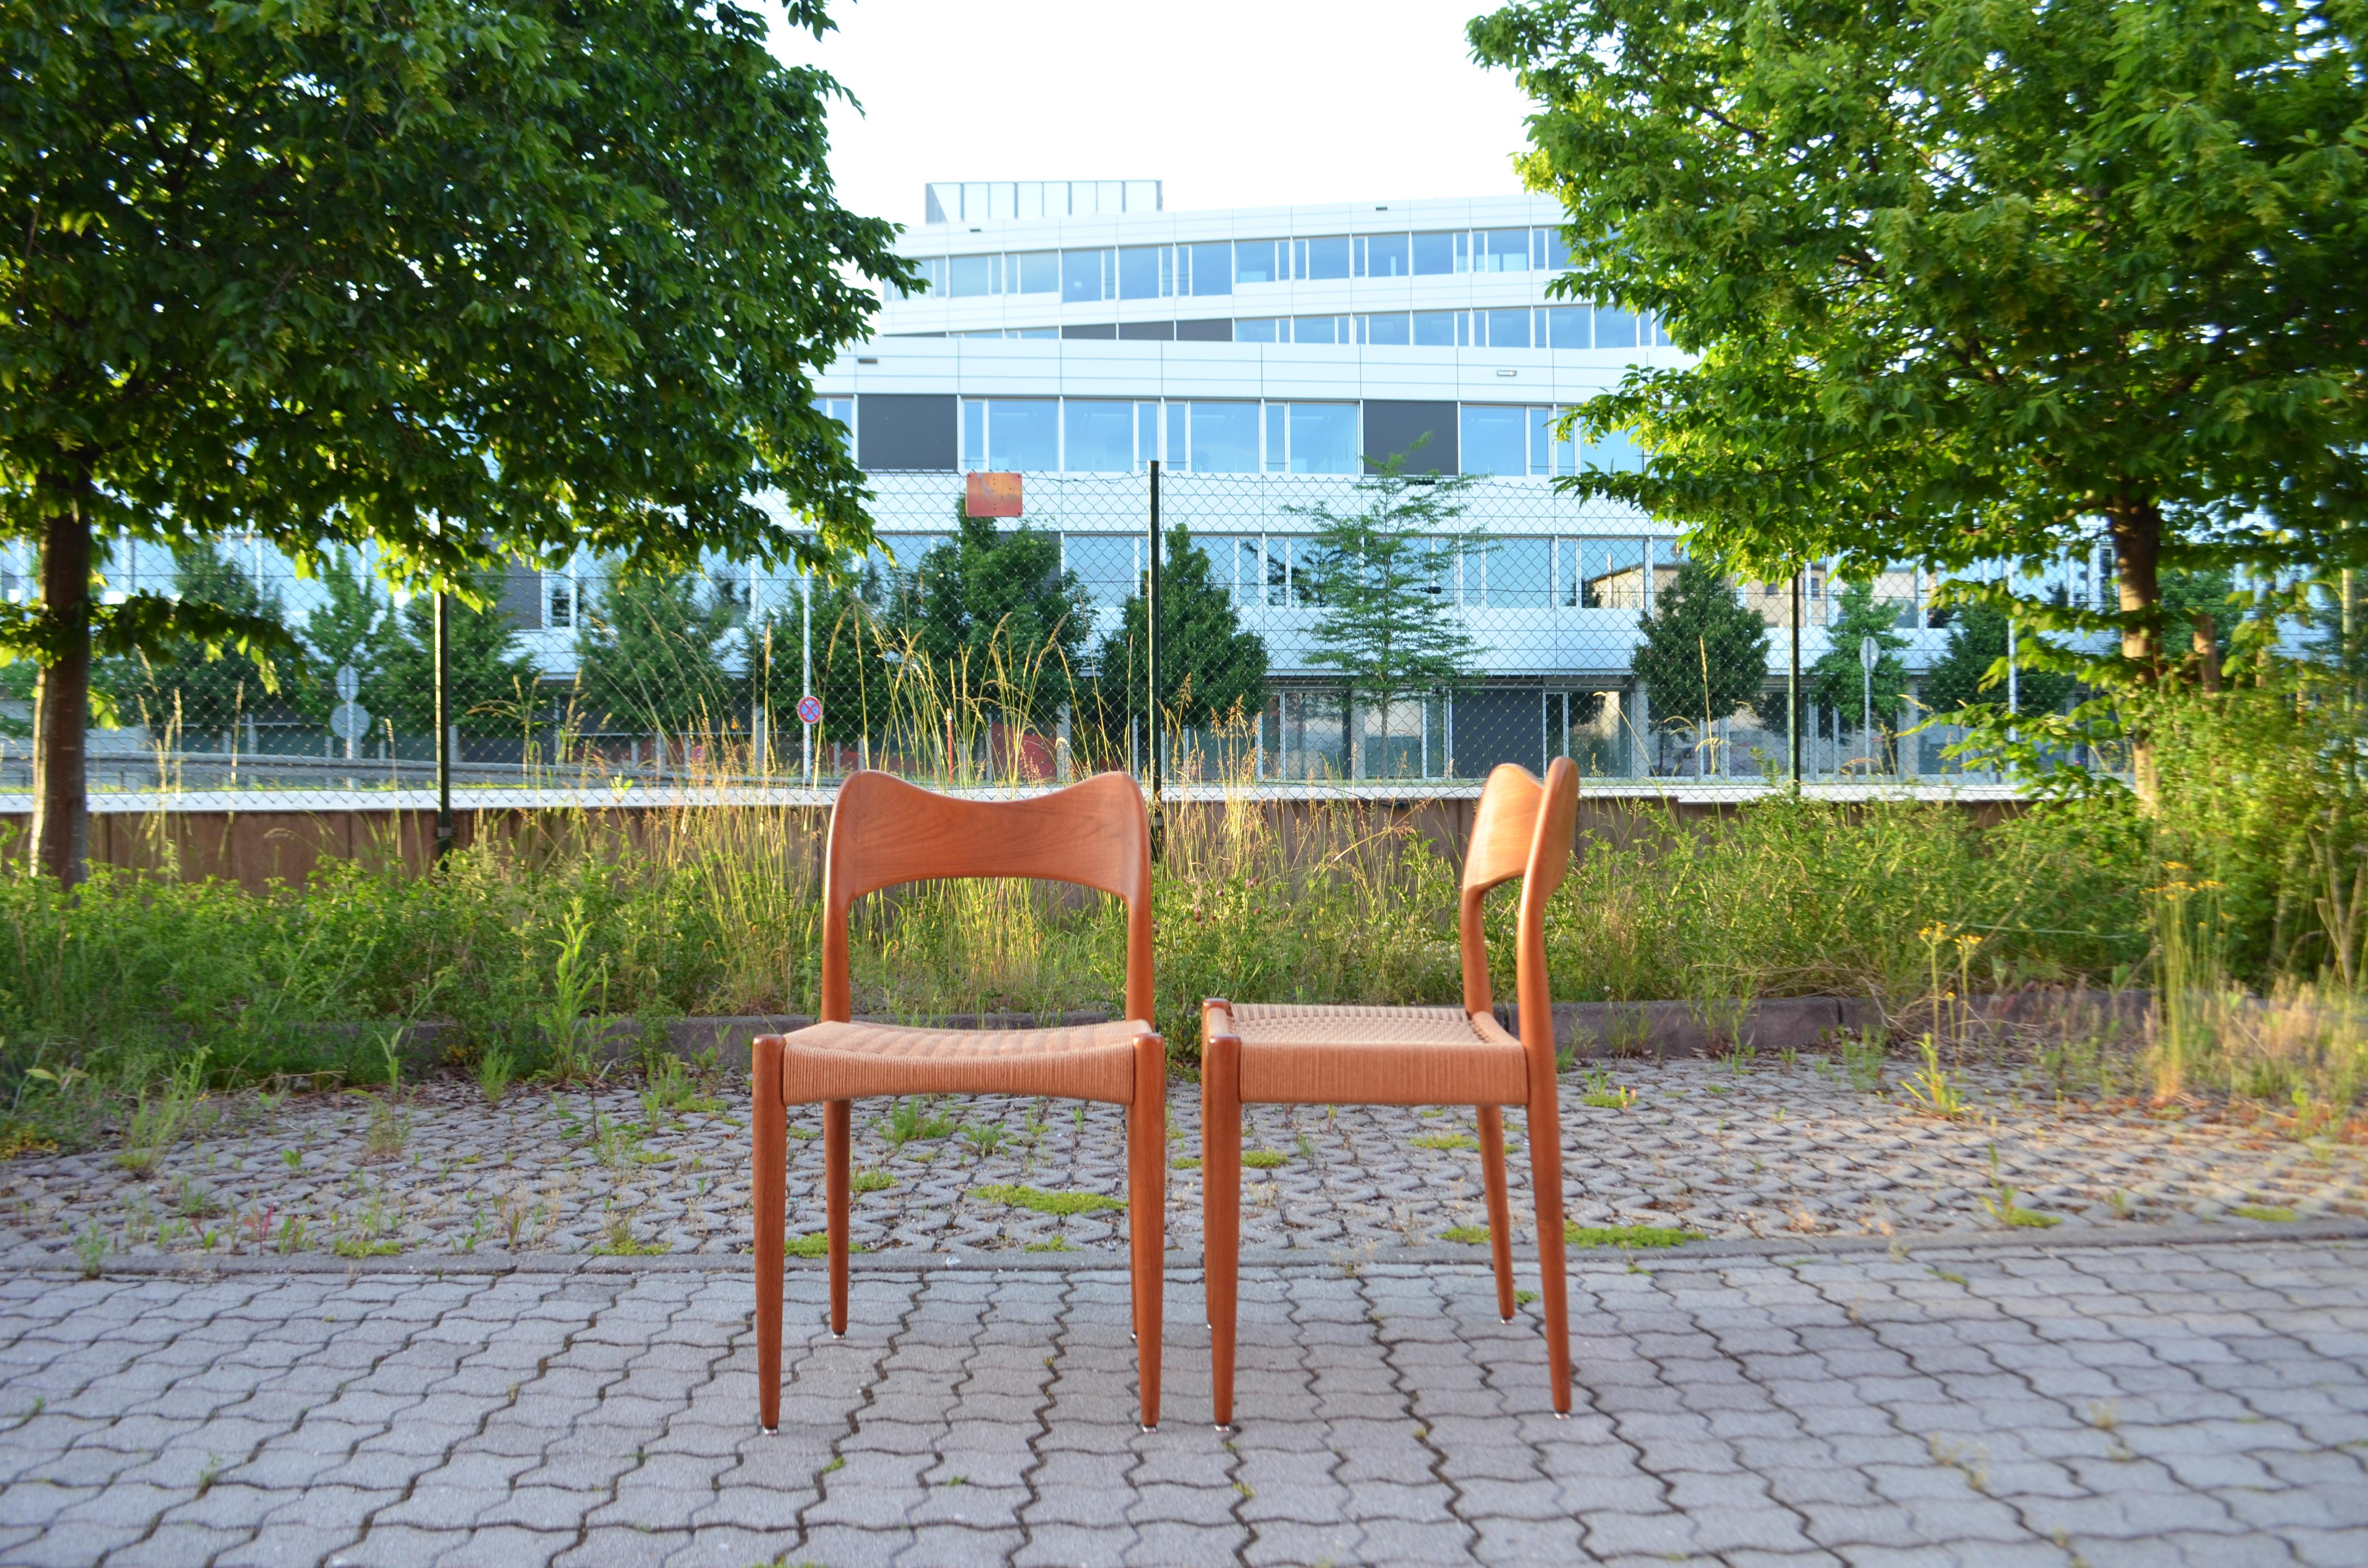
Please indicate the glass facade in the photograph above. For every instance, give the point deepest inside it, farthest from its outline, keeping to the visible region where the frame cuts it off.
(1215, 267)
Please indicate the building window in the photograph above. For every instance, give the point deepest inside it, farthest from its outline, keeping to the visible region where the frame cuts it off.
(1262, 330)
(1100, 436)
(1384, 255)
(1323, 438)
(1084, 274)
(1210, 267)
(1321, 259)
(1501, 250)
(1146, 272)
(1223, 438)
(974, 276)
(1254, 261)
(1614, 328)
(559, 601)
(1034, 272)
(1440, 329)
(1320, 329)
(843, 410)
(1506, 329)
(1519, 574)
(1011, 434)
(1435, 255)
(1494, 439)
(1106, 564)
(1568, 326)
(1389, 329)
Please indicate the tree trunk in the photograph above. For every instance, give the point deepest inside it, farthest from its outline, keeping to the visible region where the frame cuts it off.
(2136, 525)
(61, 692)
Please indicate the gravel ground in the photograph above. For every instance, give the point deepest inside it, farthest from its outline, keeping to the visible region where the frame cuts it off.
(1770, 1150)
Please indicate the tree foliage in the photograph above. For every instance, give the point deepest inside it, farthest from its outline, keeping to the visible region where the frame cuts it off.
(491, 689)
(328, 273)
(650, 656)
(1966, 282)
(1702, 654)
(1383, 581)
(1211, 672)
(996, 618)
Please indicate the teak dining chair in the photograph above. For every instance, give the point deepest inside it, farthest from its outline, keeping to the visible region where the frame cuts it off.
(884, 832)
(1254, 1054)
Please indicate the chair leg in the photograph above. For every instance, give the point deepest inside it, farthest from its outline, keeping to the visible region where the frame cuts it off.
(1500, 1208)
(1545, 1177)
(770, 1151)
(1146, 1213)
(1221, 1210)
(837, 1127)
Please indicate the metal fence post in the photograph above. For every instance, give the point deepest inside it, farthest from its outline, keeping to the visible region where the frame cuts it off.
(443, 727)
(1151, 661)
(1792, 691)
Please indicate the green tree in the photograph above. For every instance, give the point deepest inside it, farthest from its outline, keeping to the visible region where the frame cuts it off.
(1961, 283)
(1839, 681)
(997, 619)
(344, 630)
(1384, 579)
(330, 273)
(1972, 670)
(649, 655)
(1212, 673)
(490, 687)
(182, 684)
(1700, 654)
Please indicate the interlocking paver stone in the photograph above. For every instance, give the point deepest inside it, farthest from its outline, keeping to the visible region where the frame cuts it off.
(1736, 1408)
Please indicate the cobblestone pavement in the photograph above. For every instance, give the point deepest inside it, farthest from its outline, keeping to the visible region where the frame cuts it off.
(1775, 1150)
(2146, 1403)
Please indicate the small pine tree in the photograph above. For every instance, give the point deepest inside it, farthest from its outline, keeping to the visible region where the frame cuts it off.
(649, 656)
(180, 687)
(997, 619)
(1389, 624)
(1704, 654)
(1839, 683)
(492, 688)
(344, 630)
(1212, 673)
(1969, 672)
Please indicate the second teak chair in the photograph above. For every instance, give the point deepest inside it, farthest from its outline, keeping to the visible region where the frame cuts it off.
(1264, 1054)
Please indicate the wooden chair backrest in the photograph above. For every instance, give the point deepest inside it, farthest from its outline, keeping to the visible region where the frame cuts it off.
(884, 832)
(1522, 829)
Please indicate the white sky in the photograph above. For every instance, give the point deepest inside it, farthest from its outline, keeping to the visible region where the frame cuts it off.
(1234, 103)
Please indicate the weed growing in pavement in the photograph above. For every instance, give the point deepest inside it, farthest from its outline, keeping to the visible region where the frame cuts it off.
(496, 1068)
(913, 1118)
(577, 980)
(1043, 1202)
(91, 1247)
(1740, 1058)
(818, 1244)
(983, 1139)
(1933, 1089)
(617, 1238)
(1262, 1159)
(1058, 1244)
(1469, 1235)
(873, 1181)
(2268, 1213)
(1442, 1141)
(1604, 1095)
(669, 1087)
(1580, 1235)
(160, 1112)
(1862, 1059)
(2001, 1202)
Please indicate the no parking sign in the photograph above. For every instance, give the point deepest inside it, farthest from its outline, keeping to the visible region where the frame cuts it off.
(810, 710)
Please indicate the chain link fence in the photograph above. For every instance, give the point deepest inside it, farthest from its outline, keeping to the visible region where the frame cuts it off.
(1403, 632)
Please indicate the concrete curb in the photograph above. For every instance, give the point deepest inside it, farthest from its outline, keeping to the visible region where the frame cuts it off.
(1942, 1243)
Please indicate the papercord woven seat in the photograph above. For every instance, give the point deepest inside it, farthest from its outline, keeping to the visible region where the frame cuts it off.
(1267, 1053)
(884, 832)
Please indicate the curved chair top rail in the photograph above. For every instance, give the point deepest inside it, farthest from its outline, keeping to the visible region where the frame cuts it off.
(1524, 827)
(884, 832)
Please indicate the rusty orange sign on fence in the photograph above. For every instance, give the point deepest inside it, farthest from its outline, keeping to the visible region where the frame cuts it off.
(992, 495)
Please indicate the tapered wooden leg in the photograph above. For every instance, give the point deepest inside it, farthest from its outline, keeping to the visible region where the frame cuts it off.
(1221, 1208)
(1500, 1208)
(1545, 1177)
(1147, 1212)
(837, 1125)
(770, 1152)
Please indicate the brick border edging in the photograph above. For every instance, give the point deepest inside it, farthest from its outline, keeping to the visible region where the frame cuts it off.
(2064, 1238)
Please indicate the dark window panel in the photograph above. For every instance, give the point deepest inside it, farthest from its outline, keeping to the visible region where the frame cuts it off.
(907, 430)
(1148, 331)
(1092, 329)
(1219, 331)
(1393, 426)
